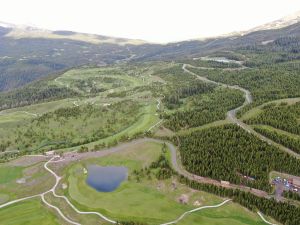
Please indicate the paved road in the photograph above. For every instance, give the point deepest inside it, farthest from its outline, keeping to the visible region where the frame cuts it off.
(231, 115)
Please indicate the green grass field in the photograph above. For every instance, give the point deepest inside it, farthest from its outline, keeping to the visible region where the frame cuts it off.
(230, 213)
(146, 119)
(150, 201)
(21, 128)
(30, 212)
(9, 173)
(22, 181)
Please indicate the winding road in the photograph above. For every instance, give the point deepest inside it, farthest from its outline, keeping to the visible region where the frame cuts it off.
(177, 167)
(231, 115)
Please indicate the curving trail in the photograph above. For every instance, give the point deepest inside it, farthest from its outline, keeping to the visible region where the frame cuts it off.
(28, 113)
(18, 200)
(155, 125)
(42, 195)
(59, 211)
(175, 161)
(176, 166)
(57, 179)
(262, 217)
(61, 83)
(231, 115)
(195, 210)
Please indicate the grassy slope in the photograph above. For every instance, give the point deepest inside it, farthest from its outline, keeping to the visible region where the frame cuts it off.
(37, 181)
(231, 214)
(142, 201)
(9, 173)
(30, 212)
(145, 121)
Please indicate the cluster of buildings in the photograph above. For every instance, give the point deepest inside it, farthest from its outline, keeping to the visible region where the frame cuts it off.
(290, 184)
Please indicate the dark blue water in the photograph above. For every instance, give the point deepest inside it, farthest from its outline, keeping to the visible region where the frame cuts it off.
(106, 179)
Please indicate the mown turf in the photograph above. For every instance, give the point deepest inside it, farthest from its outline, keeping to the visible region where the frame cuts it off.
(230, 213)
(30, 212)
(150, 201)
(36, 181)
(9, 173)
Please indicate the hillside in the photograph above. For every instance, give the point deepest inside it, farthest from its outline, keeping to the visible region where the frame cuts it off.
(178, 128)
(28, 53)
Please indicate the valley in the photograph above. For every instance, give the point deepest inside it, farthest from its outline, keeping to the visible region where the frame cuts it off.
(196, 132)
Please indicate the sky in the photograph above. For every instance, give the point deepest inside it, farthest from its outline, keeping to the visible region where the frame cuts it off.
(151, 20)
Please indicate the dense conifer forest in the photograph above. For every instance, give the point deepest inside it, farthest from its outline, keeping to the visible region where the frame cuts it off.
(228, 152)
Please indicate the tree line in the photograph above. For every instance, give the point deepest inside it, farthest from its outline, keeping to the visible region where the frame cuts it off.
(204, 108)
(228, 152)
(290, 142)
(282, 116)
(283, 212)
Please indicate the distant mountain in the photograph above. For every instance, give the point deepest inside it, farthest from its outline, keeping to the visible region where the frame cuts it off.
(277, 24)
(28, 53)
(23, 31)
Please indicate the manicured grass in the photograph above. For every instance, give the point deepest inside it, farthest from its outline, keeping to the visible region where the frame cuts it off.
(132, 200)
(30, 212)
(36, 181)
(150, 201)
(9, 173)
(69, 212)
(13, 117)
(230, 213)
(42, 107)
(109, 78)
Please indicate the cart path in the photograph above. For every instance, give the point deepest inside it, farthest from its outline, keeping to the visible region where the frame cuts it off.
(231, 115)
(121, 147)
(195, 210)
(262, 217)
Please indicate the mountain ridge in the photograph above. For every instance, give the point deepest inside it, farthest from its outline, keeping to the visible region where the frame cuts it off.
(19, 31)
(24, 59)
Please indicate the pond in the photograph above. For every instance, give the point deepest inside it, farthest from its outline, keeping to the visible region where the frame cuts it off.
(106, 179)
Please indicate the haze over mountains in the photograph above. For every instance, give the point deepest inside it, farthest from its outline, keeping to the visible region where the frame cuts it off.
(28, 53)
